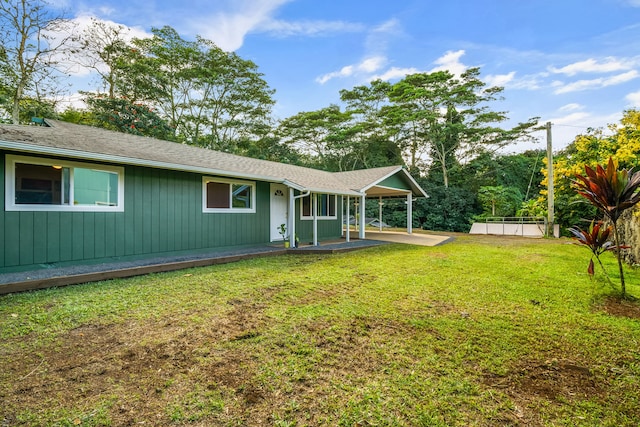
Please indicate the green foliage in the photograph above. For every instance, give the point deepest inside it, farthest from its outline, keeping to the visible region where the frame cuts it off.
(447, 118)
(30, 107)
(211, 98)
(590, 149)
(611, 191)
(499, 201)
(447, 209)
(122, 115)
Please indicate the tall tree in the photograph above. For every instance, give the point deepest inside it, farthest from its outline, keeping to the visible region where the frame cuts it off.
(30, 39)
(316, 134)
(370, 142)
(211, 98)
(446, 118)
(100, 48)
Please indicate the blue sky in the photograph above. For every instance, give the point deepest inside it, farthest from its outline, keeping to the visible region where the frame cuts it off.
(575, 63)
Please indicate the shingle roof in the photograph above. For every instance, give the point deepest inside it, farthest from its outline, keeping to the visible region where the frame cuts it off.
(86, 142)
(364, 179)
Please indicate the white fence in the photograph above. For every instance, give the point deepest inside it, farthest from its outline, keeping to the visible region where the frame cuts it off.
(514, 226)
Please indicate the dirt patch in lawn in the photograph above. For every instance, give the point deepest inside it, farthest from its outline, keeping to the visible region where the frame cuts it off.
(158, 372)
(197, 369)
(554, 381)
(620, 307)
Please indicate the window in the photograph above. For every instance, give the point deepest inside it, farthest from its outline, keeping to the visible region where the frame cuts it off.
(222, 195)
(35, 184)
(326, 206)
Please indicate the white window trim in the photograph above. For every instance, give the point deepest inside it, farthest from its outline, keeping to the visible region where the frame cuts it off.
(320, 218)
(231, 209)
(10, 190)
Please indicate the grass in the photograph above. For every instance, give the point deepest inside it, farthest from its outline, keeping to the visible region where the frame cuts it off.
(481, 331)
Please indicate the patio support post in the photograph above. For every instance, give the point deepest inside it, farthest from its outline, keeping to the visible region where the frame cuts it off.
(363, 200)
(380, 212)
(348, 206)
(315, 218)
(410, 213)
(342, 215)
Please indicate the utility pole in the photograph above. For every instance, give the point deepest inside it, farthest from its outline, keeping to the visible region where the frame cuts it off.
(550, 195)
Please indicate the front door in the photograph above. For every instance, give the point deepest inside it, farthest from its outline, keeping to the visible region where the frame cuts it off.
(279, 209)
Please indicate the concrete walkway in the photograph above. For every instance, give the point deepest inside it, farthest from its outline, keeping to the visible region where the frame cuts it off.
(419, 239)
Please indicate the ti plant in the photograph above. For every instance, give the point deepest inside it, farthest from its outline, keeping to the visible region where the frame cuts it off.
(611, 191)
(596, 238)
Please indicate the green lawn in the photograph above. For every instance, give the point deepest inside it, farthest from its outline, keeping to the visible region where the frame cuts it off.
(482, 331)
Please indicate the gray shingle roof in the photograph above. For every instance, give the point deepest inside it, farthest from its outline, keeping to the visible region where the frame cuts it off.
(86, 142)
(364, 179)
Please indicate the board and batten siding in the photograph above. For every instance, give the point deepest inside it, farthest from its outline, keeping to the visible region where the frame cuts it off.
(162, 216)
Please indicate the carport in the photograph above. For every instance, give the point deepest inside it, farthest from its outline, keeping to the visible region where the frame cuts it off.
(379, 183)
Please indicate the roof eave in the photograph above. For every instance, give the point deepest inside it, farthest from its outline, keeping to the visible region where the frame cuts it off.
(77, 154)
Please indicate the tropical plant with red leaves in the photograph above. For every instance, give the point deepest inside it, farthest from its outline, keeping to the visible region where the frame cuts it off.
(612, 191)
(596, 238)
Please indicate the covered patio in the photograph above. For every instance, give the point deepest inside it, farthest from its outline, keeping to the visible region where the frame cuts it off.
(380, 184)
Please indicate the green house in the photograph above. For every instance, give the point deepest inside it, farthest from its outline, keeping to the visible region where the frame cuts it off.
(78, 194)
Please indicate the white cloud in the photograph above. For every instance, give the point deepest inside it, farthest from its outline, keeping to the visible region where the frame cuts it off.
(376, 45)
(499, 79)
(608, 65)
(228, 28)
(81, 24)
(450, 61)
(379, 37)
(566, 127)
(395, 73)
(571, 107)
(581, 85)
(366, 66)
(307, 28)
(634, 98)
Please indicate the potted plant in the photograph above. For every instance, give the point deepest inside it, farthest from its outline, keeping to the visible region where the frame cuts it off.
(282, 230)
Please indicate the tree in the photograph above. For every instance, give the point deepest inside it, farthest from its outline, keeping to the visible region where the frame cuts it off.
(100, 48)
(447, 118)
(611, 191)
(499, 200)
(370, 143)
(313, 133)
(594, 147)
(122, 115)
(210, 97)
(30, 40)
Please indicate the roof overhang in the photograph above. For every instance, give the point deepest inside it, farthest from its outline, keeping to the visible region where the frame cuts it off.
(373, 189)
(23, 147)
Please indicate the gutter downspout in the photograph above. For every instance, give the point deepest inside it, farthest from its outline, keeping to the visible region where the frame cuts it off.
(292, 214)
(314, 204)
(410, 213)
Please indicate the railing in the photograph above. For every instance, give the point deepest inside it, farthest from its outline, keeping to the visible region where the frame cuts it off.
(516, 226)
